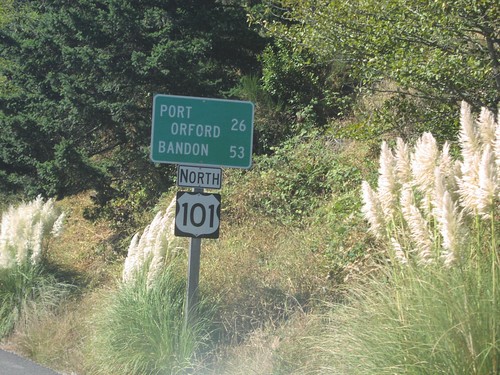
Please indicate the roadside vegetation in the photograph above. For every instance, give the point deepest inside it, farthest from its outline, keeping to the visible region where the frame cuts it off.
(363, 240)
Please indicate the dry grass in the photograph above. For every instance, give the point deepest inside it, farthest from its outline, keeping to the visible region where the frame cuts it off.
(254, 356)
(85, 250)
(57, 339)
(260, 275)
(264, 276)
(271, 349)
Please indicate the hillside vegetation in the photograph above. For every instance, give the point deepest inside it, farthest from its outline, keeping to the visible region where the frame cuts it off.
(364, 239)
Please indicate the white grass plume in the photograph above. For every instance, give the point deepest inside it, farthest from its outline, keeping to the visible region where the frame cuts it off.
(399, 253)
(441, 196)
(387, 187)
(488, 183)
(468, 136)
(486, 127)
(153, 247)
(420, 233)
(423, 161)
(403, 162)
(372, 211)
(480, 168)
(163, 242)
(449, 219)
(24, 229)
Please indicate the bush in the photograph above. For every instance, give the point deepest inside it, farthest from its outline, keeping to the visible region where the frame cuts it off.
(272, 124)
(314, 90)
(390, 111)
(294, 181)
(141, 328)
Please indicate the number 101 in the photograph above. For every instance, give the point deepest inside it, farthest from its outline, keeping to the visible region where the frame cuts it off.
(197, 214)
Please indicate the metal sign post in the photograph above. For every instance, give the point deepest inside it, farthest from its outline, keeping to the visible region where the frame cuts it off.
(193, 275)
(197, 216)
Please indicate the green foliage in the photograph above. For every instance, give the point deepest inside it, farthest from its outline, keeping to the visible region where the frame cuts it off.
(380, 115)
(294, 181)
(85, 74)
(438, 51)
(313, 91)
(141, 329)
(6, 14)
(272, 124)
(6, 10)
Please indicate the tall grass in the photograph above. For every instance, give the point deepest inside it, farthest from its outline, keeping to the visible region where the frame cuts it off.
(24, 280)
(434, 309)
(24, 289)
(141, 329)
(428, 322)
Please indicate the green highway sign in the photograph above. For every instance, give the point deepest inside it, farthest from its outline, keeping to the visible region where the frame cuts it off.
(202, 131)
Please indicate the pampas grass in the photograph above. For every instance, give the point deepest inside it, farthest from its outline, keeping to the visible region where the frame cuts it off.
(24, 230)
(153, 248)
(440, 200)
(140, 328)
(25, 285)
(436, 309)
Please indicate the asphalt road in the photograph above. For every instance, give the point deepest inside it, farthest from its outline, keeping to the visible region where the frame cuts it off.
(12, 364)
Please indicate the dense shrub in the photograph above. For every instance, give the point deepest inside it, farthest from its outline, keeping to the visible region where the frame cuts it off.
(292, 183)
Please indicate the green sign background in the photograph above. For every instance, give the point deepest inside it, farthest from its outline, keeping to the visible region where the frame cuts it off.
(202, 131)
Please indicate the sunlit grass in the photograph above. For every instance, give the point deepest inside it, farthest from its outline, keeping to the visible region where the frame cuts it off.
(141, 329)
(27, 289)
(428, 321)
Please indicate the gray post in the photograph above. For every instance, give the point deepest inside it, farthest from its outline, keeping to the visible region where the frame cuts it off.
(193, 274)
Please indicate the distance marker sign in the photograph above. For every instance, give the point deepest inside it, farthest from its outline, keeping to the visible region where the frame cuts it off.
(197, 215)
(202, 131)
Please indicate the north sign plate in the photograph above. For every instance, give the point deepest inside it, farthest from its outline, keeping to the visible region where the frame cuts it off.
(199, 177)
(202, 131)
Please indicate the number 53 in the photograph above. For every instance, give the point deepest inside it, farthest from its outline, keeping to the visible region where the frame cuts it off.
(235, 151)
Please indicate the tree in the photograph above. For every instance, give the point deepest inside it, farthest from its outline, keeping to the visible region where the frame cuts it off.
(438, 47)
(84, 74)
(439, 50)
